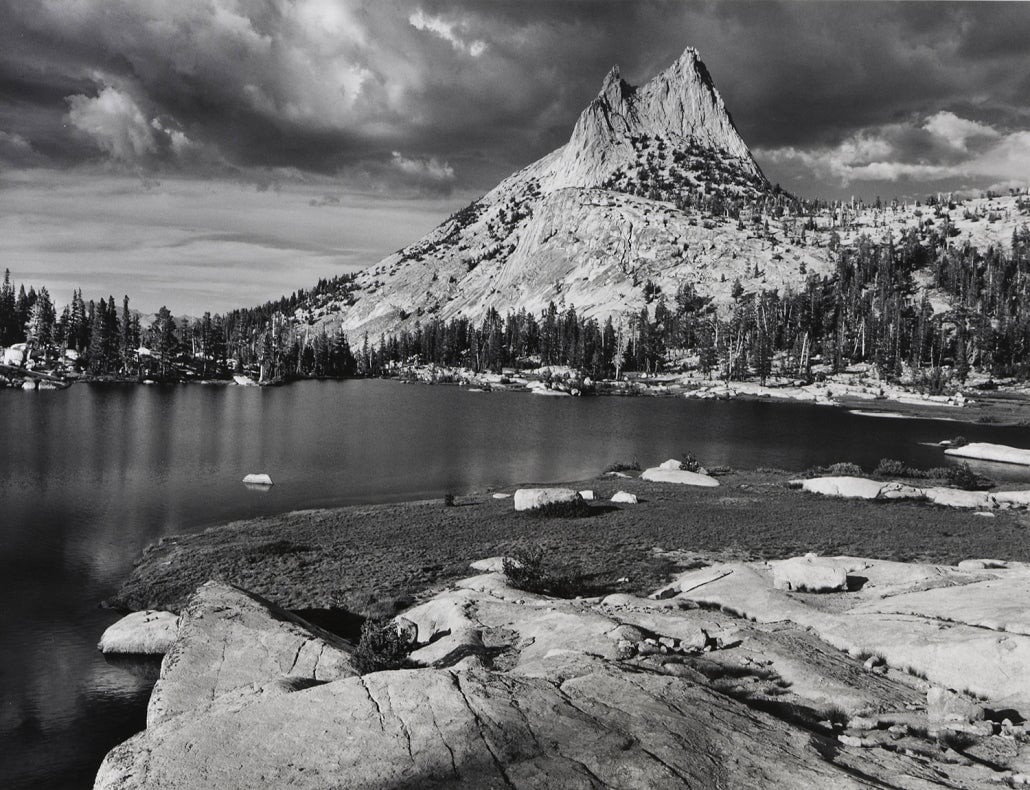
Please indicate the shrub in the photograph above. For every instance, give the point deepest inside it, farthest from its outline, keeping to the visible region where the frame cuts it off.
(525, 570)
(577, 508)
(845, 468)
(958, 441)
(841, 468)
(691, 463)
(890, 467)
(619, 466)
(968, 480)
(448, 500)
(382, 646)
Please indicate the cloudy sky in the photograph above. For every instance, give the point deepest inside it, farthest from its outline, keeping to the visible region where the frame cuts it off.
(211, 153)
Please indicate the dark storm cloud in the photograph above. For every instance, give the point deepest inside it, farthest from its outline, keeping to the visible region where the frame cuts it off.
(434, 95)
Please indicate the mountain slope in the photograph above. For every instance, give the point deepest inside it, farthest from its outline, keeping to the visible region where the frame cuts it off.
(655, 188)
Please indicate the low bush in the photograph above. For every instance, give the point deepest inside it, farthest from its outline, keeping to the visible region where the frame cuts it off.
(525, 569)
(958, 441)
(890, 467)
(691, 463)
(382, 646)
(839, 469)
(968, 480)
(961, 476)
(619, 466)
(577, 508)
(448, 500)
(845, 468)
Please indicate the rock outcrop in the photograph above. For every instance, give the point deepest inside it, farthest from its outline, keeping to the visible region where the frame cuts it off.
(514, 690)
(963, 629)
(231, 642)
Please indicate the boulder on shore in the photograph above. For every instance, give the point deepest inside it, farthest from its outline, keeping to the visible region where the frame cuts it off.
(258, 480)
(533, 498)
(141, 633)
(624, 498)
(663, 474)
(985, 451)
(843, 486)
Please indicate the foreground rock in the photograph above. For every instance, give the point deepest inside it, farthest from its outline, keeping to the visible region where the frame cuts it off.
(233, 643)
(533, 498)
(963, 629)
(513, 690)
(141, 633)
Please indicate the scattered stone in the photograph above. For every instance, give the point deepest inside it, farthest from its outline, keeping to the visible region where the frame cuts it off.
(488, 565)
(872, 662)
(141, 633)
(532, 498)
(672, 463)
(810, 574)
(624, 498)
(258, 480)
(945, 705)
(979, 565)
(501, 495)
(587, 495)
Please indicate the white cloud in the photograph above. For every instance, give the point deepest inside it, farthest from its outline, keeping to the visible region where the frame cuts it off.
(943, 146)
(956, 131)
(119, 127)
(447, 31)
(423, 169)
(116, 124)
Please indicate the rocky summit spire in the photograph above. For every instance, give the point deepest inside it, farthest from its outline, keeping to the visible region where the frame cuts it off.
(680, 107)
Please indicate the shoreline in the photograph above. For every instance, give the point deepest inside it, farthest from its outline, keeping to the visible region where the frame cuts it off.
(371, 559)
(1004, 404)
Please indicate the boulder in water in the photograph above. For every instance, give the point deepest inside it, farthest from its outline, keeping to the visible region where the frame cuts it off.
(258, 480)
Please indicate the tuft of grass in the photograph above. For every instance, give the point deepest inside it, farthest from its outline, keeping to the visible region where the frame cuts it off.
(382, 646)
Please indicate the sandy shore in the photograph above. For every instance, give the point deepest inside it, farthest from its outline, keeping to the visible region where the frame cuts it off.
(363, 558)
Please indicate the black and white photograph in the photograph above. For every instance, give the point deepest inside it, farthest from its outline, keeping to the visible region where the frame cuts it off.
(602, 394)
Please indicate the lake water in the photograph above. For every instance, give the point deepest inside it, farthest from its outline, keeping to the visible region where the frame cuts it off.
(91, 475)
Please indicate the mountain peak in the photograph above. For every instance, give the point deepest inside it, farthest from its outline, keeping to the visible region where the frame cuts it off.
(680, 106)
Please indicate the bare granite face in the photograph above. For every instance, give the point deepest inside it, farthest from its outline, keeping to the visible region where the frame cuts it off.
(511, 689)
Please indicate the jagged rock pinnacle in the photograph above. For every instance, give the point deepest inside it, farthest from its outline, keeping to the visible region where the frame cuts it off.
(680, 105)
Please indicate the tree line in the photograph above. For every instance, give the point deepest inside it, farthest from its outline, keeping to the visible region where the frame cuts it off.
(874, 307)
